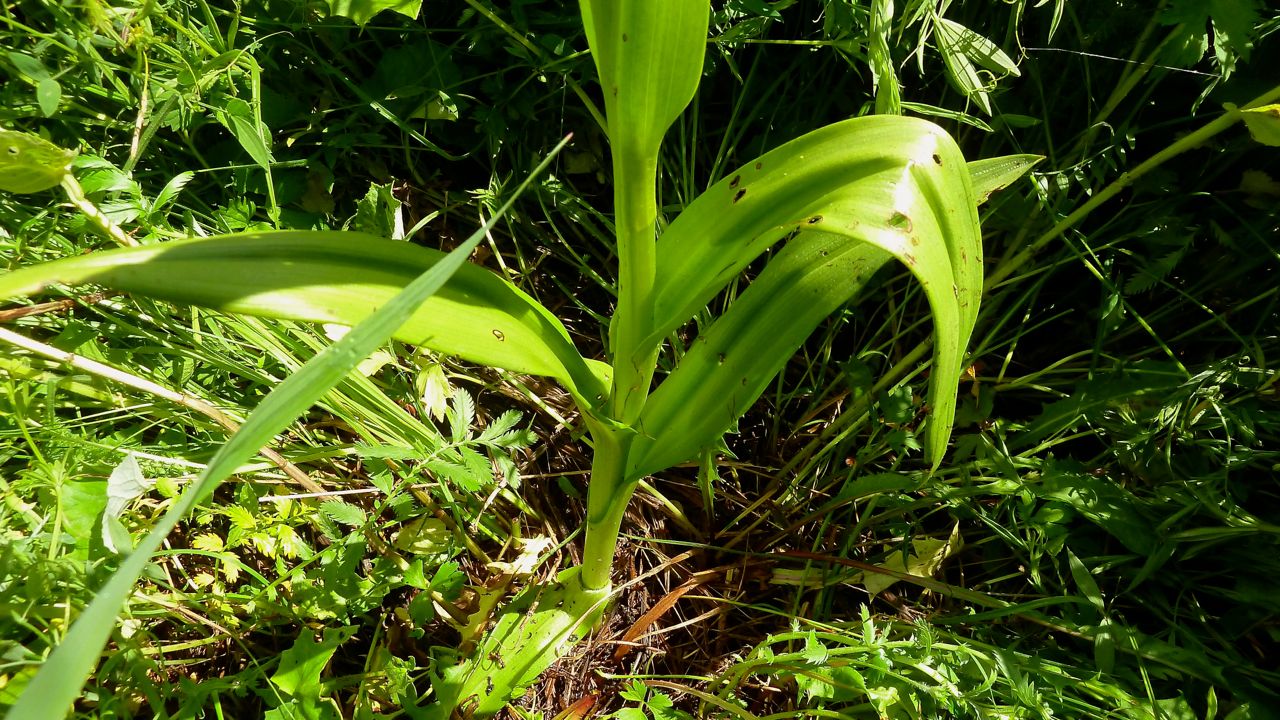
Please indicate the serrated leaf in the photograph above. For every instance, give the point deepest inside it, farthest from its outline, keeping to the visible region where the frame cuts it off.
(499, 426)
(30, 164)
(462, 414)
(170, 190)
(208, 541)
(342, 512)
(460, 476)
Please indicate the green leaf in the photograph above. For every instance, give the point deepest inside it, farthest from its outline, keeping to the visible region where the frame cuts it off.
(48, 95)
(897, 185)
(335, 277)
(344, 513)
(977, 48)
(378, 213)
(30, 67)
(1264, 124)
(170, 190)
(734, 360)
(362, 11)
(648, 54)
(30, 164)
(239, 118)
(51, 693)
(1102, 502)
(990, 175)
(1089, 399)
(298, 676)
(960, 49)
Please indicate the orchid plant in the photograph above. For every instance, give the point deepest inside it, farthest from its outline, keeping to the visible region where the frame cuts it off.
(847, 199)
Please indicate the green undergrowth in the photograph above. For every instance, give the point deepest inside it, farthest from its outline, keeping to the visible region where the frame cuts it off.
(1101, 540)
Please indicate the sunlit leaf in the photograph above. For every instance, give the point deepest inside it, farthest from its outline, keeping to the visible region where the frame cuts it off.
(1264, 124)
(899, 185)
(334, 277)
(29, 163)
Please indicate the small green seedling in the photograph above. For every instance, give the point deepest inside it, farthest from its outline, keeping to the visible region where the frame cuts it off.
(847, 198)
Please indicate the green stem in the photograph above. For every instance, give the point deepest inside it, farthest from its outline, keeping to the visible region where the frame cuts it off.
(608, 494)
(635, 176)
(76, 195)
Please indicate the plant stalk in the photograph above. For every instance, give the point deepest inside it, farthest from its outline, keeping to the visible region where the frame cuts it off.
(635, 176)
(608, 494)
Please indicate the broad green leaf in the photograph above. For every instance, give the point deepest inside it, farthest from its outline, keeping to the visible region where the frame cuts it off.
(991, 175)
(32, 68)
(29, 163)
(335, 277)
(362, 11)
(298, 677)
(648, 54)
(732, 363)
(898, 184)
(53, 690)
(48, 95)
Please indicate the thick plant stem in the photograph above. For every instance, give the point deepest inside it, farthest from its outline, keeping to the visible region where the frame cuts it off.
(608, 495)
(636, 211)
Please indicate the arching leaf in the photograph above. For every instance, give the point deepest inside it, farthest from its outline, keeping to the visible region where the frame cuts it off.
(897, 184)
(335, 277)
